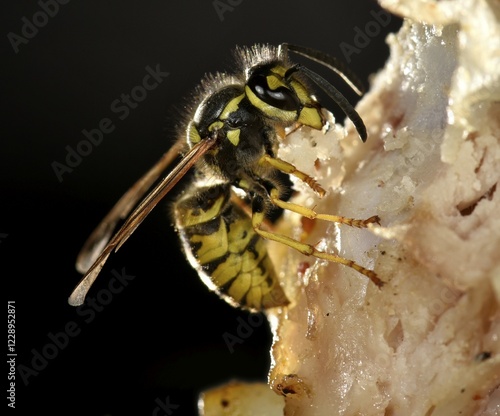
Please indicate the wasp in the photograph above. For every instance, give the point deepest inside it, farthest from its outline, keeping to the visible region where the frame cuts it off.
(230, 139)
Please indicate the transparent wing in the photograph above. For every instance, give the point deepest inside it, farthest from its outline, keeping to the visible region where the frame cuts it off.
(101, 235)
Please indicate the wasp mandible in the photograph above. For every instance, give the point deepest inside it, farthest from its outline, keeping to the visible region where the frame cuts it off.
(231, 138)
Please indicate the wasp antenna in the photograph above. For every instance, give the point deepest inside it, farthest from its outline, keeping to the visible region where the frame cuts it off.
(336, 65)
(335, 95)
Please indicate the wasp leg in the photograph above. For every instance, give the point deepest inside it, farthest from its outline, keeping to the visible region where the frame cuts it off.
(290, 169)
(309, 213)
(258, 217)
(267, 224)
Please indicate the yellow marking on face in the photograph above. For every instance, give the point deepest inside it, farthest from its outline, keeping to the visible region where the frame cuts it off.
(280, 70)
(274, 82)
(234, 136)
(301, 92)
(310, 116)
(213, 246)
(284, 116)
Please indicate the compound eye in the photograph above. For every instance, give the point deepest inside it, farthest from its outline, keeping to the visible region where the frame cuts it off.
(280, 97)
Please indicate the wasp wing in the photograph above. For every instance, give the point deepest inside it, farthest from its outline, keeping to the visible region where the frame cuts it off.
(137, 216)
(103, 232)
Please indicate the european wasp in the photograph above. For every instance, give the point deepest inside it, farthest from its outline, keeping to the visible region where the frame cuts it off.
(231, 139)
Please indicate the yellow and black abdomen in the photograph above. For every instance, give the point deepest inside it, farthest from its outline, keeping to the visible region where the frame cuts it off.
(221, 244)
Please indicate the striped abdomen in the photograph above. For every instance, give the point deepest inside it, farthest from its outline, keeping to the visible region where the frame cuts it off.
(221, 244)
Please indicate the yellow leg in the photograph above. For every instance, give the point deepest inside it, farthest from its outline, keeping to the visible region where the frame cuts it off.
(258, 218)
(288, 168)
(309, 213)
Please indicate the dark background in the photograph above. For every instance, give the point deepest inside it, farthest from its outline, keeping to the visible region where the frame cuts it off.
(162, 336)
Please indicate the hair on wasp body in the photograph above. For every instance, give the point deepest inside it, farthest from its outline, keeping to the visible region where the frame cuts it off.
(231, 139)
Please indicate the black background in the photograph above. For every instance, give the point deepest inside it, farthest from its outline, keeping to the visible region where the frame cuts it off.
(162, 336)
